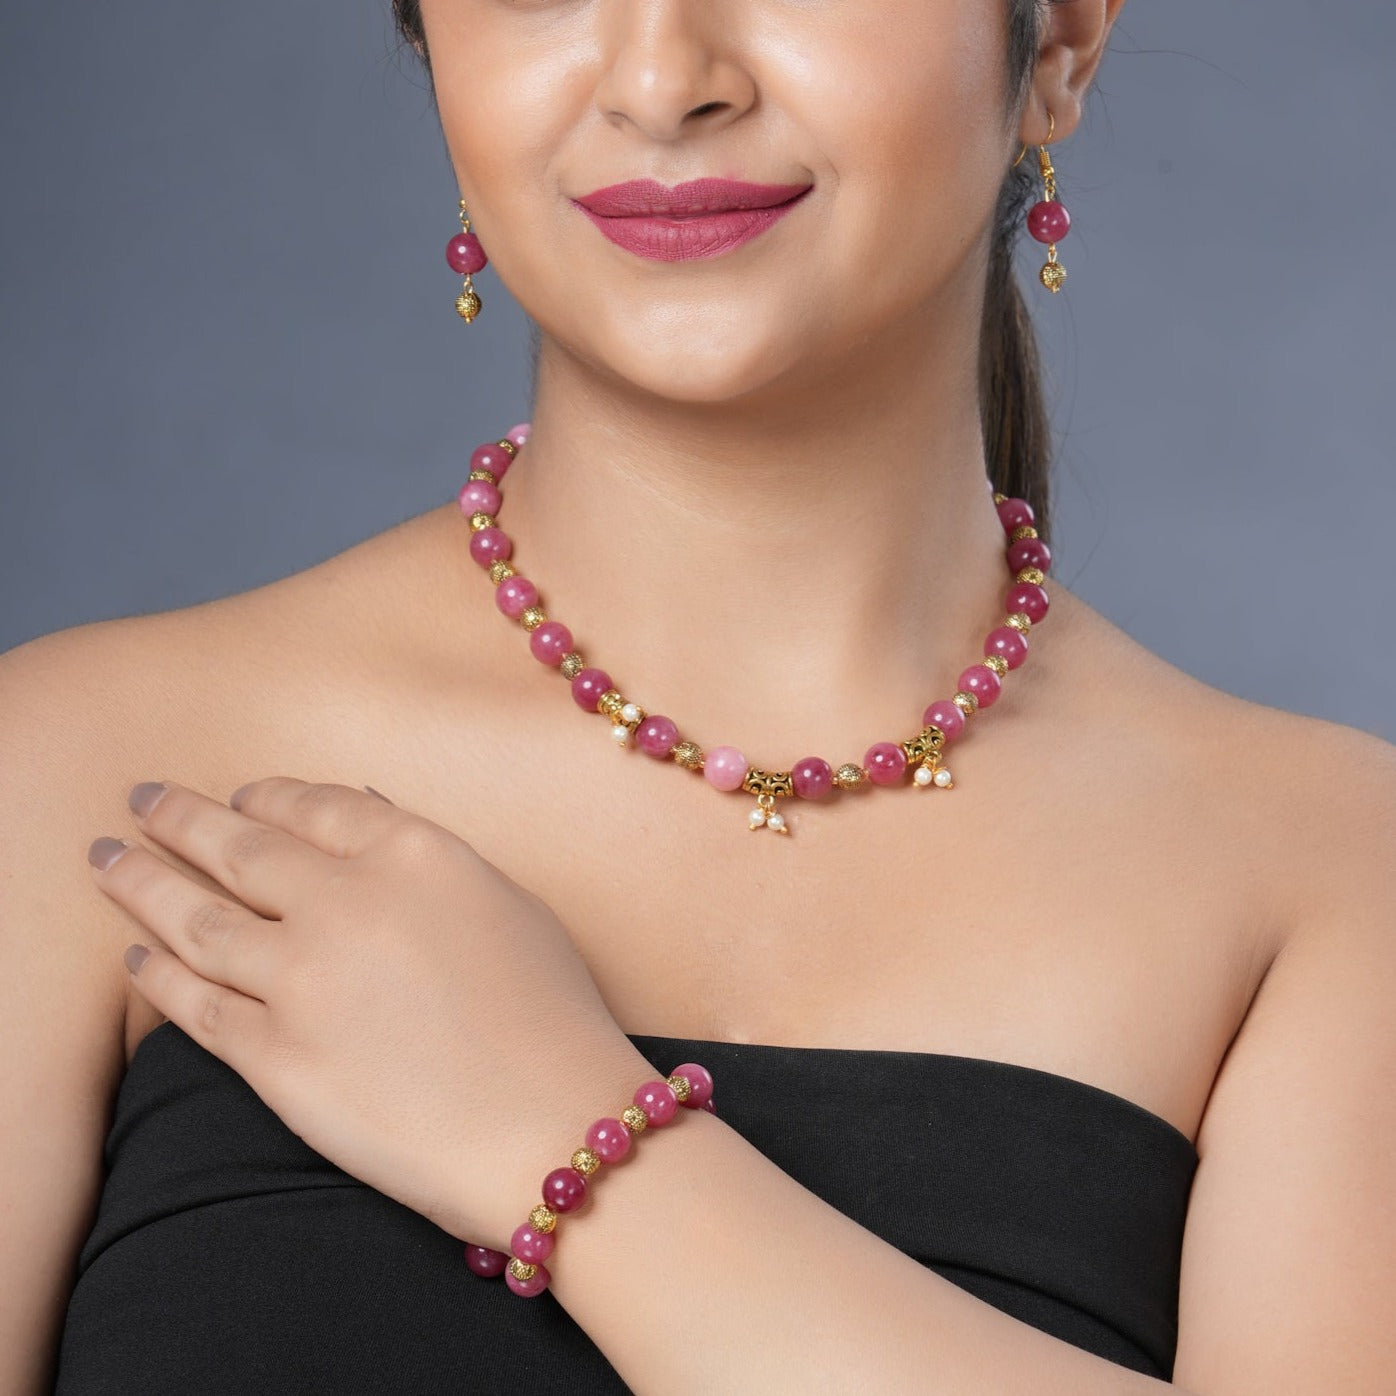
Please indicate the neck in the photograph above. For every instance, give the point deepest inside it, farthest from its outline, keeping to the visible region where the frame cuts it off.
(795, 575)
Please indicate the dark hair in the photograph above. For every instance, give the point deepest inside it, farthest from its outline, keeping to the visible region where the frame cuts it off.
(1017, 427)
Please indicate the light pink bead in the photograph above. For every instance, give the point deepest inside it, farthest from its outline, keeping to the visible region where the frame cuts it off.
(492, 457)
(483, 1261)
(532, 1245)
(479, 497)
(656, 736)
(1030, 552)
(518, 434)
(981, 681)
(658, 1101)
(945, 715)
(529, 1289)
(1010, 645)
(700, 1084)
(609, 1139)
(813, 778)
(564, 1189)
(725, 768)
(488, 545)
(550, 642)
(514, 595)
(1013, 513)
(885, 763)
(1029, 598)
(588, 686)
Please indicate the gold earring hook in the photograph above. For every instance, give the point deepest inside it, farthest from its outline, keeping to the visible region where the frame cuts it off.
(1051, 126)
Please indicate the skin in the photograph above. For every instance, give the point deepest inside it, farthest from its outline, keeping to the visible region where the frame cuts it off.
(1113, 878)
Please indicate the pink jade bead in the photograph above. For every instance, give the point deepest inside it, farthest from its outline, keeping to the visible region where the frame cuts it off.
(1029, 598)
(518, 434)
(514, 595)
(529, 1289)
(885, 763)
(945, 715)
(608, 1139)
(1010, 645)
(564, 1189)
(479, 497)
(489, 545)
(700, 1084)
(550, 642)
(812, 778)
(588, 686)
(1014, 513)
(483, 1261)
(724, 767)
(658, 1101)
(1029, 552)
(1048, 221)
(981, 681)
(492, 457)
(465, 255)
(656, 736)
(531, 1245)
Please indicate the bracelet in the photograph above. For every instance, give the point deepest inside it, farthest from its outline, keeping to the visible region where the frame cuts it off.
(565, 1189)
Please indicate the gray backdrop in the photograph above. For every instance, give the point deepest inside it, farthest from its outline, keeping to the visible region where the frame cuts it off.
(230, 351)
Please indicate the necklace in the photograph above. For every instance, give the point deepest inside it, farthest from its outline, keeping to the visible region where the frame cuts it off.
(724, 767)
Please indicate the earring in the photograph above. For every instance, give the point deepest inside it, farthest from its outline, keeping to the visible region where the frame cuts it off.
(1048, 221)
(464, 255)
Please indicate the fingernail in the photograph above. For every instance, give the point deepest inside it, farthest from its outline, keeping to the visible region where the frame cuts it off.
(145, 796)
(103, 852)
(235, 799)
(135, 956)
(379, 793)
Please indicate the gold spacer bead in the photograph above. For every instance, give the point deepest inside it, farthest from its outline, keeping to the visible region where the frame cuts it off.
(488, 475)
(610, 703)
(586, 1161)
(849, 776)
(1031, 574)
(480, 519)
(533, 617)
(967, 703)
(688, 754)
(542, 1219)
(997, 663)
(634, 1119)
(1022, 531)
(521, 1269)
(681, 1086)
(507, 447)
(1020, 620)
(572, 664)
(999, 498)
(500, 569)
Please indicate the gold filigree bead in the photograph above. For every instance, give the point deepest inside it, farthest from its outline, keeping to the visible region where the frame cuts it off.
(999, 498)
(542, 1219)
(480, 519)
(1022, 531)
(586, 1161)
(500, 569)
(688, 754)
(997, 663)
(968, 703)
(572, 664)
(487, 475)
(1020, 620)
(849, 776)
(467, 306)
(681, 1086)
(610, 703)
(634, 1119)
(521, 1269)
(1031, 574)
(533, 617)
(1053, 274)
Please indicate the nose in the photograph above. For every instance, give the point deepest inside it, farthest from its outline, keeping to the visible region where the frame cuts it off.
(671, 67)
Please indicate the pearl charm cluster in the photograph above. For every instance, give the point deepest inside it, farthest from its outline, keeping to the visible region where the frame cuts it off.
(724, 767)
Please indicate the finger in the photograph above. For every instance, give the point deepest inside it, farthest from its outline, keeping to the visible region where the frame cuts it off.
(337, 819)
(225, 1022)
(216, 939)
(262, 866)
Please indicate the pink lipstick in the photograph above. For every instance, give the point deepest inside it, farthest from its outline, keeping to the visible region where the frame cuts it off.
(701, 218)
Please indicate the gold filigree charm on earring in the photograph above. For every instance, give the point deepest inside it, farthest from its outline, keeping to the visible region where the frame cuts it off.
(1048, 220)
(464, 256)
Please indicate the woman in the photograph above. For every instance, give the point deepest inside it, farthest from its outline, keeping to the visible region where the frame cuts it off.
(1072, 1076)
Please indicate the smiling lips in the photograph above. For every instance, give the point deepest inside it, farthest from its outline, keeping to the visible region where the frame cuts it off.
(701, 218)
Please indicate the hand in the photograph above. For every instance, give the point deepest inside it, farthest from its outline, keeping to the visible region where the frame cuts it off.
(409, 1011)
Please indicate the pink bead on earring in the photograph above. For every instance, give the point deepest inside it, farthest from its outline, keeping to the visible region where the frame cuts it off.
(464, 255)
(1048, 220)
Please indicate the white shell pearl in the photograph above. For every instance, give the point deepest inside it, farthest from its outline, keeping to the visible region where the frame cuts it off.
(756, 818)
(943, 777)
(630, 712)
(922, 776)
(621, 734)
(775, 821)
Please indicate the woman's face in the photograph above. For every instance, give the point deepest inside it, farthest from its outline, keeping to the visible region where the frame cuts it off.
(893, 110)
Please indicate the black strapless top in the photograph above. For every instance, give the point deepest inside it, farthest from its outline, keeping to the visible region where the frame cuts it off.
(228, 1257)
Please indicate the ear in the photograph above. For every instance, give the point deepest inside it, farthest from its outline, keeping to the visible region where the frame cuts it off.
(1074, 36)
